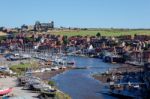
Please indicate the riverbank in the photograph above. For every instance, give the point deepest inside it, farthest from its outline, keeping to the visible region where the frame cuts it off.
(45, 76)
(49, 74)
(124, 68)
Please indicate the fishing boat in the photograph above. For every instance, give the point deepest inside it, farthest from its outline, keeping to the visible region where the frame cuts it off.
(48, 92)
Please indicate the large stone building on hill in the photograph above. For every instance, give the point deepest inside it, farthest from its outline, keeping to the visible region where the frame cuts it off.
(43, 26)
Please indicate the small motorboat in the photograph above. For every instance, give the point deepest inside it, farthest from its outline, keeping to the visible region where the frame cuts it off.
(70, 63)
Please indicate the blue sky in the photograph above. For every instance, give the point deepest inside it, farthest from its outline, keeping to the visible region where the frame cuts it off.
(77, 13)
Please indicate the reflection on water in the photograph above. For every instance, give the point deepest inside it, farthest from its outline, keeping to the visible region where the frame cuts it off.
(79, 84)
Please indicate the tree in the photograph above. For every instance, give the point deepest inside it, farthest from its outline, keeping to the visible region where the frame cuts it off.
(98, 35)
(3, 38)
(135, 35)
(58, 43)
(65, 40)
(1, 28)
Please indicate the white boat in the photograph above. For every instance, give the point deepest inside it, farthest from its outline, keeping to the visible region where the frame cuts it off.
(54, 68)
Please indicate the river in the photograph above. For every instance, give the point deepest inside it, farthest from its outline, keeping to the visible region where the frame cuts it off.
(79, 84)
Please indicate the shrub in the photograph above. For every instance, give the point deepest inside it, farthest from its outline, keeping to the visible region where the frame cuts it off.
(52, 83)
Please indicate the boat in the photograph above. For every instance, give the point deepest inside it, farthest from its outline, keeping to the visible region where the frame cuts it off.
(4, 91)
(48, 92)
(62, 67)
(70, 63)
(125, 90)
(113, 59)
(4, 68)
(122, 95)
(54, 68)
(37, 86)
(135, 63)
(33, 84)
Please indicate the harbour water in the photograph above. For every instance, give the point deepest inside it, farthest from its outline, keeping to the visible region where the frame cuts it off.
(79, 84)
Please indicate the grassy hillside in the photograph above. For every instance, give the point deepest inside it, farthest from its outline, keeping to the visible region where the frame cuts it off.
(108, 32)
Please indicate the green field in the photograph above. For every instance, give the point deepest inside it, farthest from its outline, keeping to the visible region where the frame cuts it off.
(20, 68)
(108, 32)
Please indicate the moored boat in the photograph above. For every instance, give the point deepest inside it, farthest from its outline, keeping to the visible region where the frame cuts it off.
(4, 91)
(48, 91)
(70, 63)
